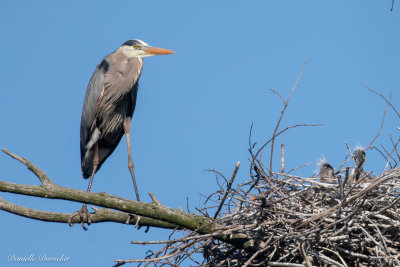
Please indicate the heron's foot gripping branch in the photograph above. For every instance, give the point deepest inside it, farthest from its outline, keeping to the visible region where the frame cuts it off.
(84, 216)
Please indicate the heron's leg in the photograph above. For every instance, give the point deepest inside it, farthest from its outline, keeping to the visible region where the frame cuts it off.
(84, 211)
(95, 165)
(127, 129)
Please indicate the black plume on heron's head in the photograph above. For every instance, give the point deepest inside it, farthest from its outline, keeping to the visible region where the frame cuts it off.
(134, 42)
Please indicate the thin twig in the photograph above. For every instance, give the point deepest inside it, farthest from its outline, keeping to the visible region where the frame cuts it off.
(388, 102)
(281, 116)
(282, 158)
(383, 120)
(227, 189)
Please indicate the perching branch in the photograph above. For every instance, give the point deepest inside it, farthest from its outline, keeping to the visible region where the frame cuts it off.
(100, 215)
(152, 214)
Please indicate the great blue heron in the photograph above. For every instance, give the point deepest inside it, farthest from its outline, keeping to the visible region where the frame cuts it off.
(108, 108)
(326, 173)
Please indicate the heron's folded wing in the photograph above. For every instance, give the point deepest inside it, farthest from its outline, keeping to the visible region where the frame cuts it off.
(93, 92)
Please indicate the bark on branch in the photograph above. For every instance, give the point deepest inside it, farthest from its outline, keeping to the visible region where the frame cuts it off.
(100, 215)
(115, 209)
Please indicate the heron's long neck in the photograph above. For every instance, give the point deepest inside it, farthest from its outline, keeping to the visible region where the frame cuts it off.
(127, 66)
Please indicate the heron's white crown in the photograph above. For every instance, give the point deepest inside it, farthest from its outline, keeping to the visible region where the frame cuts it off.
(141, 42)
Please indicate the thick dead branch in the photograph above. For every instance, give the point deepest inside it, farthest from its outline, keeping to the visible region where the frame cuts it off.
(155, 212)
(100, 215)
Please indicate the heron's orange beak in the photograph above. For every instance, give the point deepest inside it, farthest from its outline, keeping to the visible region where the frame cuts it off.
(157, 50)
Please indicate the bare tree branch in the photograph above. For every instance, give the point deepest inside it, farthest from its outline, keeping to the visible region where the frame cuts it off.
(100, 215)
(227, 189)
(281, 116)
(384, 98)
(38, 172)
(154, 211)
(383, 120)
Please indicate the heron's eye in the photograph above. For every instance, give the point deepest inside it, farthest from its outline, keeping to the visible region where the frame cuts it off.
(135, 46)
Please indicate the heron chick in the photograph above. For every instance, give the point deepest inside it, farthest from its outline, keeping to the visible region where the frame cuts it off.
(108, 108)
(326, 173)
(359, 158)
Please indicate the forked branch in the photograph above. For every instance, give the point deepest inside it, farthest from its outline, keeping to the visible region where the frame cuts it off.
(116, 209)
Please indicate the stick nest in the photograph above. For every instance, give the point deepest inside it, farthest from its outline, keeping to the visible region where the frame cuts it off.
(288, 220)
(297, 221)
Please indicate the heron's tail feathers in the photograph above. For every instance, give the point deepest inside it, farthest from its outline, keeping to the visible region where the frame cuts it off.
(87, 164)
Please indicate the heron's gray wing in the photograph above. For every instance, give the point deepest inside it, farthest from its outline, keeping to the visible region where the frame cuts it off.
(93, 91)
(110, 98)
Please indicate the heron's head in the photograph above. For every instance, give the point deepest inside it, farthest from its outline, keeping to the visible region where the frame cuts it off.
(138, 48)
(359, 157)
(326, 170)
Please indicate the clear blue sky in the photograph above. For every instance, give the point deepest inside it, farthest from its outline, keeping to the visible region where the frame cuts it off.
(194, 108)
